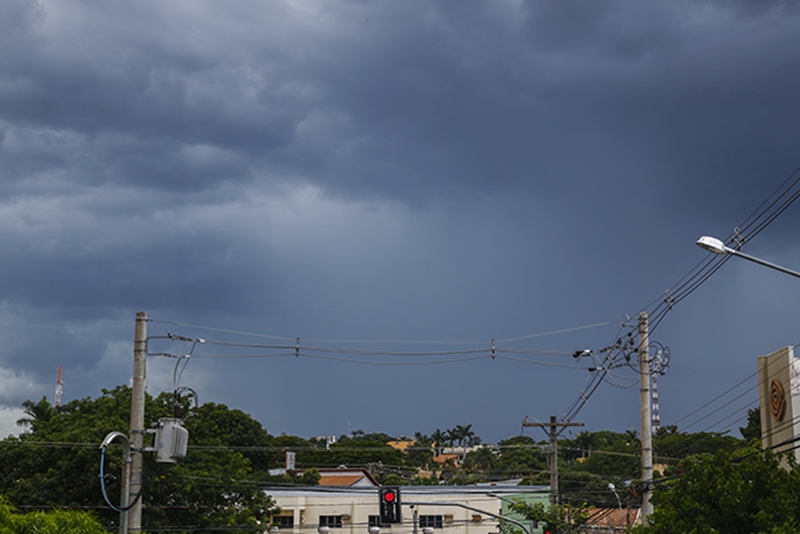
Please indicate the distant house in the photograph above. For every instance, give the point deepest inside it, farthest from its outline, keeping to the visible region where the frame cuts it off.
(344, 477)
(347, 478)
(612, 520)
(402, 444)
(455, 459)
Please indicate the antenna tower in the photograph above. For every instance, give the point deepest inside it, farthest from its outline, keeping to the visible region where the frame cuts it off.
(656, 412)
(59, 385)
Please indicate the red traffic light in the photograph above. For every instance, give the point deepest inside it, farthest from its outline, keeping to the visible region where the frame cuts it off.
(389, 506)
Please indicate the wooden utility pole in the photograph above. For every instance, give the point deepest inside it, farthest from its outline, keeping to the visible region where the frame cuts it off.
(553, 434)
(134, 520)
(646, 422)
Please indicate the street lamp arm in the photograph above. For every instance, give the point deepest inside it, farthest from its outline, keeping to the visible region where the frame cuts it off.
(712, 244)
(765, 263)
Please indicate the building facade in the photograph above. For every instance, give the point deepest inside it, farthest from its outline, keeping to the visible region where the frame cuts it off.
(779, 391)
(353, 510)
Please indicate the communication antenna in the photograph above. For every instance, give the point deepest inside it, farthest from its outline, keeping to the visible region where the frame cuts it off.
(656, 411)
(59, 385)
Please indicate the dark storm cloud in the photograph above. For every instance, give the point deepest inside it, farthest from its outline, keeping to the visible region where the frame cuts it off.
(382, 170)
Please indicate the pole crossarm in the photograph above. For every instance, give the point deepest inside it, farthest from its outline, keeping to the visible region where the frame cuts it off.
(553, 435)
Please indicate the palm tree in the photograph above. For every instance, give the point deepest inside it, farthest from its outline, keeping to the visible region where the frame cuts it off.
(464, 435)
(36, 411)
(584, 440)
(483, 459)
(439, 438)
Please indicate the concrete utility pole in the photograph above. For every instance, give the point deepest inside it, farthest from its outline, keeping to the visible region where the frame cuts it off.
(553, 433)
(137, 419)
(646, 422)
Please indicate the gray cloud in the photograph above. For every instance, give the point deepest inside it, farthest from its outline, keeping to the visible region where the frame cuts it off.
(411, 171)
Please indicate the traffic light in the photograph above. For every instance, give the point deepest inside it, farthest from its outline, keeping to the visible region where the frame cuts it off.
(389, 505)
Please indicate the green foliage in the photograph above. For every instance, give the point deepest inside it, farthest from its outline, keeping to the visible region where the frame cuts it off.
(673, 445)
(421, 453)
(481, 460)
(392, 479)
(463, 436)
(214, 486)
(617, 460)
(310, 477)
(520, 456)
(424, 481)
(440, 440)
(52, 522)
(36, 412)
(308, 453)
(216, 424)
(460, 477)
(753, 429)
(362, 451)
(743, 492)
(360, 435)
(218, 484)
(564, 519)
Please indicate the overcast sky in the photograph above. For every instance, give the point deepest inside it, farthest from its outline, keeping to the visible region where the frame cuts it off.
(394, 177)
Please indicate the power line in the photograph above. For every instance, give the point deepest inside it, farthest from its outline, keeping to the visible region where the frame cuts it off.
(762, 217)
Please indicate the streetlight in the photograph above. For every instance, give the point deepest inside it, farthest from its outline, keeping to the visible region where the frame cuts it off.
(712, 244)
(613, 489)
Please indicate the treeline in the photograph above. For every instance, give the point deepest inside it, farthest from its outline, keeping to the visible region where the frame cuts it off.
(231, 459)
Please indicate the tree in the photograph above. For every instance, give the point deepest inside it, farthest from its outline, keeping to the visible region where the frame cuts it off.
(561, 519)
(732, 492)
(213, 486)
(216, 423)
(35, 412)
(440, 438)
(462, 435)
(420, 453)
(620, 460)
(753, 429)
(677, 445)
(362, 452)
(482, 459)
(520, 456)
(308, 453)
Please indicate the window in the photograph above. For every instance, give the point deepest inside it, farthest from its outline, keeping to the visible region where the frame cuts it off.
(435, 521)
(283, 521)
(375, 521)
(332, 521)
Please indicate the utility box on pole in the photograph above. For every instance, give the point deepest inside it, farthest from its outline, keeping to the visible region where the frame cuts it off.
(171, 442)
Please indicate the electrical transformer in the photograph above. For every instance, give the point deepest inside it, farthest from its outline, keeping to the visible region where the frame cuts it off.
(171, 441)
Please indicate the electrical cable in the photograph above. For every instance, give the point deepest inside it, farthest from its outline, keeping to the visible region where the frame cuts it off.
(762, 217)
(103, 483)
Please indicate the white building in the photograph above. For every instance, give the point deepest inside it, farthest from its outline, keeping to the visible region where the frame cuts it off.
(353, 509)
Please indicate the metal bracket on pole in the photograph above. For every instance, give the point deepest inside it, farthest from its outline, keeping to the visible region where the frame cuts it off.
(126, 476)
